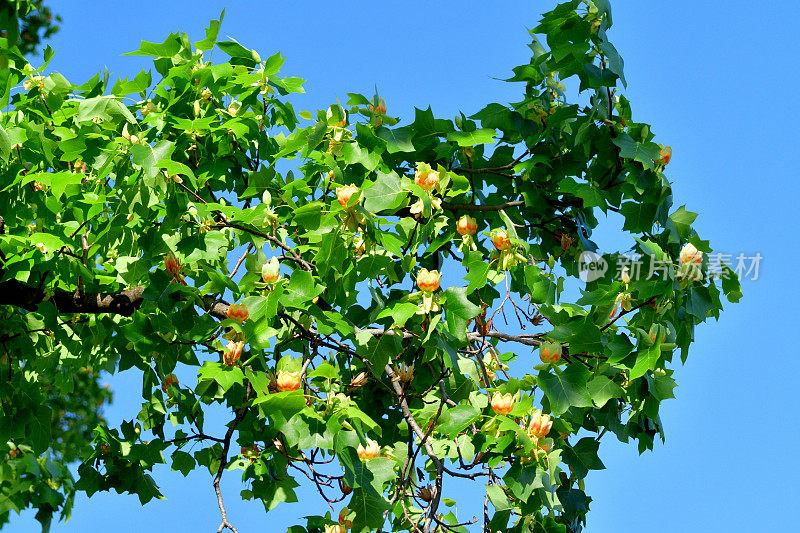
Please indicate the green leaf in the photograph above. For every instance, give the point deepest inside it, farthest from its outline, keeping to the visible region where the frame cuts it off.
(730, 284)
(146, 156)
(455, 420)
(400, 312)
(105, 108)
(301, 290)
(458, 311)
(645, 360)
(615, 63)
(585, 191)
(225, 376)
(566, 389)
(583, 457)
(183, 462)
(683, 221)
(171, 46)
(211, 34)
(174, 167)
(386, 193)
(471, 138)
(5, 144)
(397, 140)
(354, 153)
(498, 498)
(234, 49)
(603, 389)
(644, 153)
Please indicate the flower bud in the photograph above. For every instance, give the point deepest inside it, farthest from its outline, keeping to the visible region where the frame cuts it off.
(690, 254)
(654, 333)
(466, 225)
(371, 450)
(500, 239)
(232, 353)
(428, 280)
(502, 404)
(550, 352)
(238, 312)
(270, 271)
(378, 106)
(344, 193)
(540, 424)
(288, 381)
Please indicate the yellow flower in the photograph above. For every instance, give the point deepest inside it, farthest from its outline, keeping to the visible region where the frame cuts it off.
(502, 404)
(288, 381)
(371, 450)
(690, 254)
(500, 239)
(344, 193)
(466, 225)
(428, 280)
(540, 424)
(238, 312)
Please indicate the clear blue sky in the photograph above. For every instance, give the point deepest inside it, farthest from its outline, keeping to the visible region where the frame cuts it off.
(718, 80)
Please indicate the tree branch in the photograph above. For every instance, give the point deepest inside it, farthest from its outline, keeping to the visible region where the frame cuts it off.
(125, 303)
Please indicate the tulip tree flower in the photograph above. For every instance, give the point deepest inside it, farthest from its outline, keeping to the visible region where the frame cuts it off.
(345, 193)
(502, 404)
(550, 352)
(428, 283)
(500, 239)
(690, 259)
(539, 425)
(426, 177)
(238, 312)
(270, 271)
(232, 353)
(466, 227)
(288, 381)
(370, 451)
(509, 256)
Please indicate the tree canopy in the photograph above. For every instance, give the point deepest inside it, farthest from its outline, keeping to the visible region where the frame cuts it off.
(380, 307)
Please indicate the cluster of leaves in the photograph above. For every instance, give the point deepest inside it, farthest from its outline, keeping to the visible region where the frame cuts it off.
(26, 23)
(125, 201)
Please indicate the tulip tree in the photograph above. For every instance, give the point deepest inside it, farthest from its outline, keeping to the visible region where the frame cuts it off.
(381, 308)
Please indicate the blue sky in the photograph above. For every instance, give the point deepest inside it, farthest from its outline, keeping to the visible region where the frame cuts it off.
(718, 81)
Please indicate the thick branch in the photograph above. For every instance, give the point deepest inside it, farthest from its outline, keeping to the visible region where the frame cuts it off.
(19, 294)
